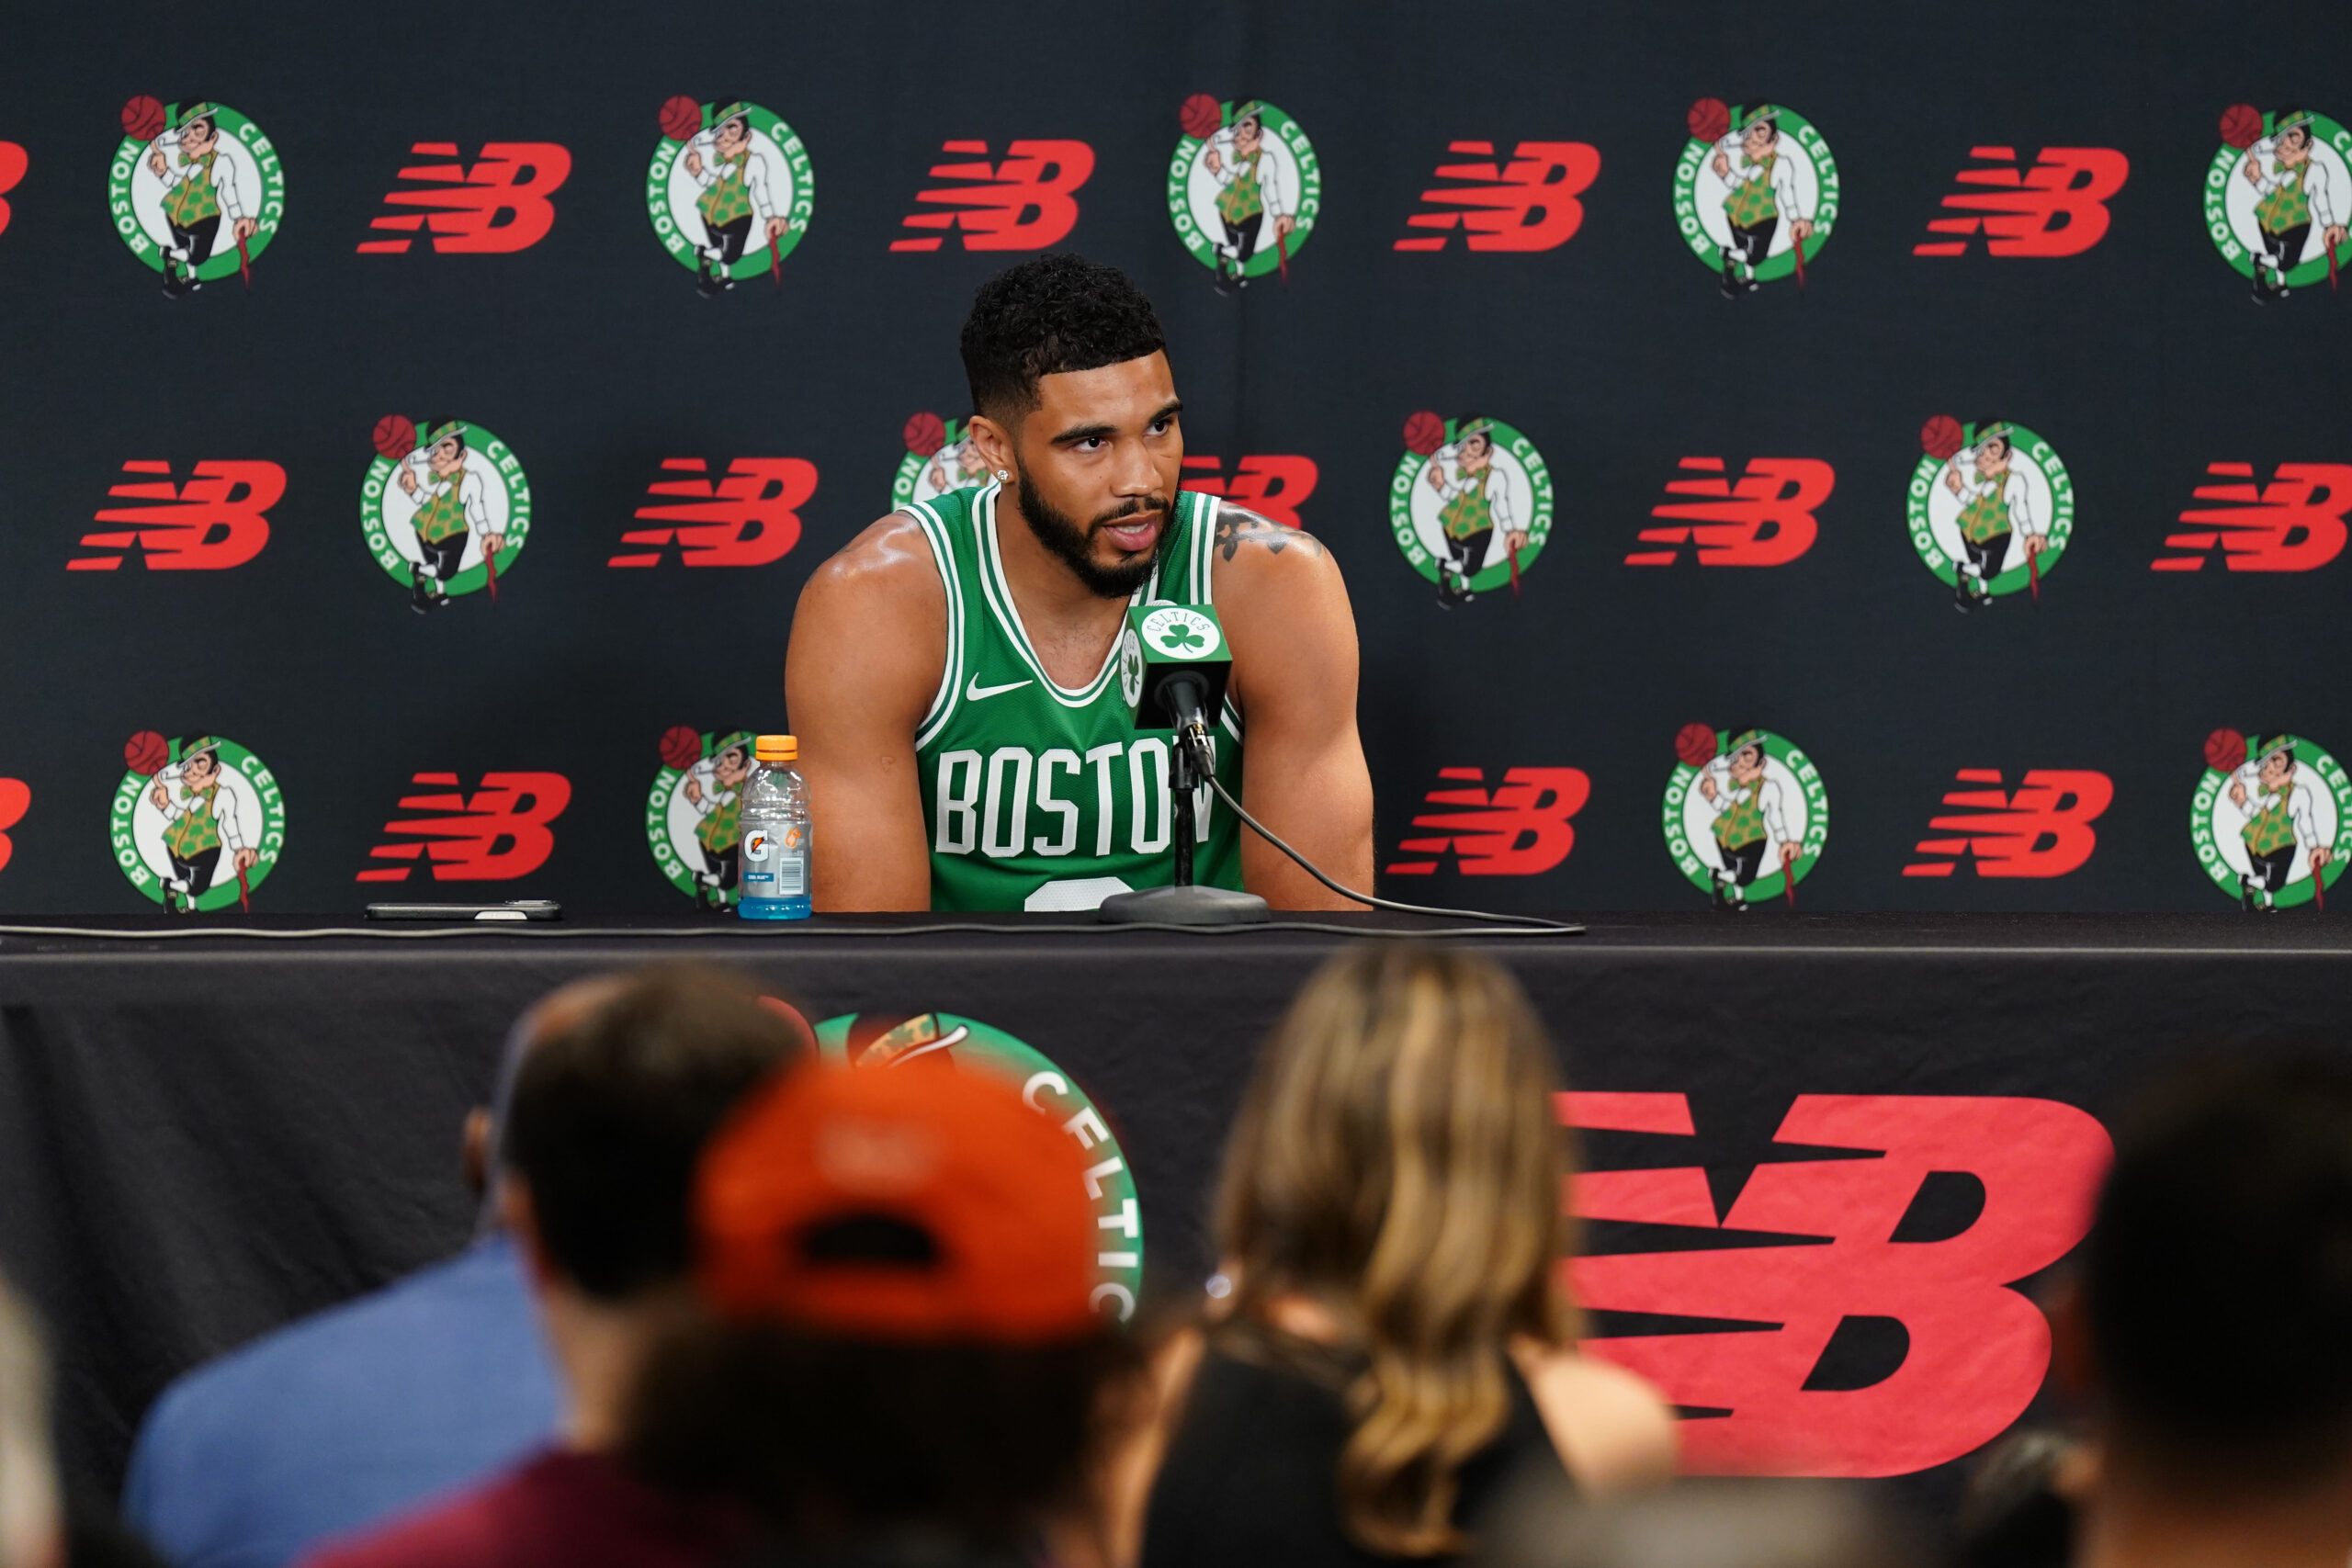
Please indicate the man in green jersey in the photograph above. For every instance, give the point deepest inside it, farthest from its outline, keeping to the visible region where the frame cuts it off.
(952, 672)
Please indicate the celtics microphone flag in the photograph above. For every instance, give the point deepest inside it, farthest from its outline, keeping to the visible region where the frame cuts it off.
(1162, 640)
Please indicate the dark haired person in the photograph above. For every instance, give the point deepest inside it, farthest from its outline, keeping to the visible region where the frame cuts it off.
(606, 1122)
(902, 1360)
(2208, 1325)
(451, 508)
(953, 674)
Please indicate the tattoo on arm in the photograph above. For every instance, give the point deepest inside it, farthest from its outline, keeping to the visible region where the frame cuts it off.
(1235, 528)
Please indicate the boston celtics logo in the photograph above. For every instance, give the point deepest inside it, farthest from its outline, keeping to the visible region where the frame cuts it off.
(1747, 815)
(1755, 192)
(940, 456)
(2277, 195)
(1182, 633)
(195, 190)
(694, 817)
(1991, 508)
(1244, 188)
(1470, 504)
(941, 1041)
(198, 821)
(2267, 816)
(447, 512)
(729, 189)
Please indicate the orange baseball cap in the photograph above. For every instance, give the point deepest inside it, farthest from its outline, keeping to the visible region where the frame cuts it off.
(980, 1199)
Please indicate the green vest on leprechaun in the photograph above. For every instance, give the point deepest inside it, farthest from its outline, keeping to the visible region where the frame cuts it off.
(193, 831)
(721, 828)
(1470, 513)
(1751, 201)
(729, 195)
(1242, 200)
(2273, 828)
(193, 200)
(1987, 517)
(1741, 821)
(2285, 205)
(442, 515)
(1028, 785)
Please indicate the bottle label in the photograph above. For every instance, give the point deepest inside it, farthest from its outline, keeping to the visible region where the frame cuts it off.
(776, 864)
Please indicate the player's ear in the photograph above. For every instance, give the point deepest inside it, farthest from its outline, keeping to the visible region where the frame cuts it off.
(994, 442)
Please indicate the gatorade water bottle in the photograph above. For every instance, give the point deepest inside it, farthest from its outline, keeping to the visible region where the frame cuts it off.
(775, 835)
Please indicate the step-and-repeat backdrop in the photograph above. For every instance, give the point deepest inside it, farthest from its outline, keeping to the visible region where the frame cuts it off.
(1782, 458)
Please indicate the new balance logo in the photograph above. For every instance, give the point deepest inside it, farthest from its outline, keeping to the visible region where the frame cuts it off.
(2043, 829)
(1026, 203)
(2058, 207)
(1520, 830)
(15, 799)
(1272, 487)
(1764, 518)
(499, 832)
(500, 204)
(13, 163)
(749, 516)
(1527, 204)
(219, 519)
(2293, 523)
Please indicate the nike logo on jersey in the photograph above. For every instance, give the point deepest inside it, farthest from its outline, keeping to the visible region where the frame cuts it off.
(975, 692)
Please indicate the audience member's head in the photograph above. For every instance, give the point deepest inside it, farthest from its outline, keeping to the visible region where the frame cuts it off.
(902, 1330)
(31, 1518)
(1399, 1162)
(2018, 1510)
(2216, 1284)
(1713, 1524)
(558, 1010)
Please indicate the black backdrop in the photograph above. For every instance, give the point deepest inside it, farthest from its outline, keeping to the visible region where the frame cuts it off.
(2141, 359)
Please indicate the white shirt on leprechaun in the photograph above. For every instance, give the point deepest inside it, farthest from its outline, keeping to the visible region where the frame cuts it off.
(1498, 492)
(470, 491)
(2259, 800)
(1231, 163)
(1783, 174)
(225, 805)
(1767, 797)
(713, 794)
(2015, 492)
(2315, 173)
(714, 169)
(225, 174)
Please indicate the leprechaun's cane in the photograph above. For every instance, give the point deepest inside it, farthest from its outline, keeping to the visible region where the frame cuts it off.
(245, 262)
(2319, 884)
(1514, 571)
(1282, 250)
(2033, 574)
(244, 893)
(1788, 873)
(776, 264)
(489, 566)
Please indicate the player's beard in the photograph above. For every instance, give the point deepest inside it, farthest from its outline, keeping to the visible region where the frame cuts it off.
(1073, 544)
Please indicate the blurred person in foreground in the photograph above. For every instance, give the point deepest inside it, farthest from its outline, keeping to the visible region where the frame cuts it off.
(344, 1418)
(1703, 1524)
(903, 1360)
(608, 1116)
(2212, 1323)
(1392, 1345)
(32, 1523)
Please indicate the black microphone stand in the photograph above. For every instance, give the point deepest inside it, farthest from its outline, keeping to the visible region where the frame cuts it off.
(1183, 902)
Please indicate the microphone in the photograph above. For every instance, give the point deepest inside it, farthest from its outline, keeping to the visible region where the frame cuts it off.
(1174, 666)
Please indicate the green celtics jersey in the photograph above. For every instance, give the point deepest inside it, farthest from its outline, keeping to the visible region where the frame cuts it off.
(1035, 795)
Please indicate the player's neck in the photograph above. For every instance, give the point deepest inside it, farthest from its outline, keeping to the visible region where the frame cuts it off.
(1070, 625)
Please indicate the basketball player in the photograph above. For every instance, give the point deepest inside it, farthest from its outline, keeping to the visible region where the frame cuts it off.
(2292, 195)
(1477, 501)
(1747, 820)
(450, 510)
(953, 672)
(734, 180)
(1763, 191)
(200, 190)
(2277, 821)
(1996, 503)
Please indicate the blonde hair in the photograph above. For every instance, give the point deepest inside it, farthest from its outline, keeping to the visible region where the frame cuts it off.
(30, 1515)
(1398, 1160)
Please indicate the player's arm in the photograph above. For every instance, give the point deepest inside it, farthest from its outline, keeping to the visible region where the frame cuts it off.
(1285, 612)
(869, 640)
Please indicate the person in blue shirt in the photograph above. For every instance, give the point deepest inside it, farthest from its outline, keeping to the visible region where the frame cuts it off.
(344, 1418)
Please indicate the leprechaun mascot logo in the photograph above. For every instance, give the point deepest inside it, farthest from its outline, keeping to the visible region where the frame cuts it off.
(2276, 196)
(195, 190)
(941, 456)
(942, 1042)
(1756, 192)
(2267, 819)
(1470, 504)
(1991, 508)
(694, 817)
(1747, 815)
(445, 510)
(1244, 188)
(197, 822)
(730, 190)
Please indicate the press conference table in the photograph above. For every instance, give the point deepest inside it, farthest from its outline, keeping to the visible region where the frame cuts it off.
(202, 1136)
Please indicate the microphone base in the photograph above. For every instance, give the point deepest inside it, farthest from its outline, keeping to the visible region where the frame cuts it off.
(1192, 905)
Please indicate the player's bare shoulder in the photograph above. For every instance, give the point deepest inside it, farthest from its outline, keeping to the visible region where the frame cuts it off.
(888, 567)
(1248, 548)
(876, 608)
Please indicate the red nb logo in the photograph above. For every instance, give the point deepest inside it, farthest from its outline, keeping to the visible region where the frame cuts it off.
(15, 799)
(1026, 203)
(1824, 1254)
(1272, 487)
(215, 521)
(1527, 204)
(500, 204)
(13, 163)
(2044, 829)
(496, 834)
(2058, 207)
(1519, 830)
(750, 517)
(1764, 519)
(2293, 523)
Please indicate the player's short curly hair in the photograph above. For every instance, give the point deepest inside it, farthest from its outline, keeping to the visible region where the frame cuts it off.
(1057, 313)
